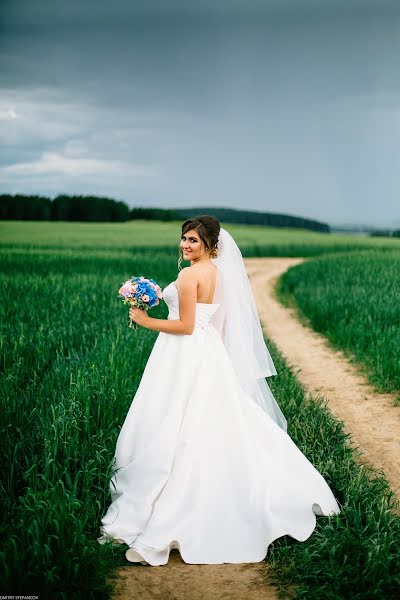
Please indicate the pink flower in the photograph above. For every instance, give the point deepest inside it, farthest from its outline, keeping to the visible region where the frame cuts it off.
(159, 294)
(125, 289)
(145, 298)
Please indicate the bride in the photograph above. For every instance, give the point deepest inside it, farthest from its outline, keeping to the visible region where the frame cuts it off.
(203, 462)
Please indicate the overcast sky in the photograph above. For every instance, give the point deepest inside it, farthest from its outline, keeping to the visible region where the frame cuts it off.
(288, 106)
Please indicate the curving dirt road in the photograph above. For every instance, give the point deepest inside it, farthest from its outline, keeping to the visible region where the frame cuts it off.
(369, 416)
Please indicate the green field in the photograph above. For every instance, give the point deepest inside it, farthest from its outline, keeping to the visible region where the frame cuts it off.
(354, 300)
(70, 367)
(253, 240)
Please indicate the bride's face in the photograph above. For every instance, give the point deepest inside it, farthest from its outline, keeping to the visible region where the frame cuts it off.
(192, 245)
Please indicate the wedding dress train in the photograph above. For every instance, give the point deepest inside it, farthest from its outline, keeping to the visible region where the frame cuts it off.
(199, 466)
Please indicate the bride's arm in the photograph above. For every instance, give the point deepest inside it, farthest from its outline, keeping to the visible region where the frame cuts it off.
(187, 292)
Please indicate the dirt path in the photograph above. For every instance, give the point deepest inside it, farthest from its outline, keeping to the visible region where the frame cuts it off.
(369, 416)
(180, 581)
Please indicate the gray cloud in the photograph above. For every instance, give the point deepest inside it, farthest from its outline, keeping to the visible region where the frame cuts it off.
(243, 104)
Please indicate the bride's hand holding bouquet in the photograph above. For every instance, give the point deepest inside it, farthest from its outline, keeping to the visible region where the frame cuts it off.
(141, 294)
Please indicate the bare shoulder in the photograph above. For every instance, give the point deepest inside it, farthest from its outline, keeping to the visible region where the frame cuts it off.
(204, 270)
(187, 274)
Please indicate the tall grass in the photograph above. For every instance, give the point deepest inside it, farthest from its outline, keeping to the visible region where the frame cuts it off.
(70, 367)
(354, 300)
(351, 555)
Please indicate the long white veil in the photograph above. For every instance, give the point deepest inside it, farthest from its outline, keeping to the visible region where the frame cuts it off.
(239, 325)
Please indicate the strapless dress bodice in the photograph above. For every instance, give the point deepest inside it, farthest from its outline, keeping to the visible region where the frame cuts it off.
(204, 312)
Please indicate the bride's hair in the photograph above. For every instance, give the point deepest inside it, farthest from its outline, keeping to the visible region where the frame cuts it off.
(208, 229)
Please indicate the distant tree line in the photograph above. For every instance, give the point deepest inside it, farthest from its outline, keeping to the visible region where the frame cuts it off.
(385, 233)
(155, 214)
(62, 208)
(252, 217)
(97, 208)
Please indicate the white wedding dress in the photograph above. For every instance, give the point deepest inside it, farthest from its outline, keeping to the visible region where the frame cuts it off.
(200, 466)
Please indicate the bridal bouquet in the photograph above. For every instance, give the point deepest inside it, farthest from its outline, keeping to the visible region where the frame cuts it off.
(140, 292)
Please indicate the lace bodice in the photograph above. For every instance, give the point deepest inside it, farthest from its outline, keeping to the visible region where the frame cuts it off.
(204, 311)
